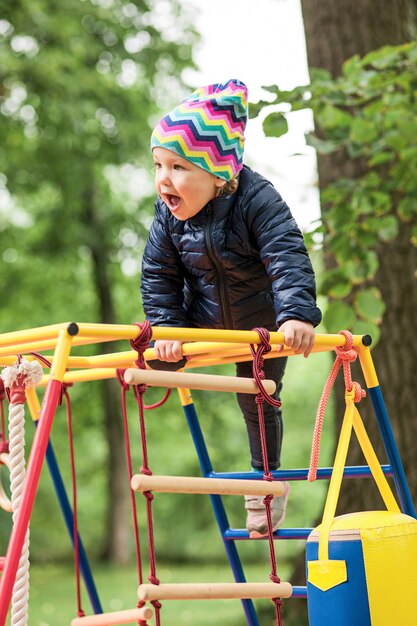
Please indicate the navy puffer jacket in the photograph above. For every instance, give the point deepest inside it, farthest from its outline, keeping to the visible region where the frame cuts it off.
(240, 262)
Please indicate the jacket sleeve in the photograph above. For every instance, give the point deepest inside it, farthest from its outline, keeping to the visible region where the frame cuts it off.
(162, 282)
(284, 255)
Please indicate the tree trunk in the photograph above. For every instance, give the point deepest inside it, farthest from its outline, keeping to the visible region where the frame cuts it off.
(116, 546)
(335, 31)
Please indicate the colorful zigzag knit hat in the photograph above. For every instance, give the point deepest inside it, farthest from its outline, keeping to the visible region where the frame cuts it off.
(207, 128)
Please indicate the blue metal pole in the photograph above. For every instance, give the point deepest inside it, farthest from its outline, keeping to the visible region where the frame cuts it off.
(219, 510)
(324, 473)
(393, 454)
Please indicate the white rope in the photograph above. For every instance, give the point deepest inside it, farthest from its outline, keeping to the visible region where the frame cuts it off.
(27, 374)
(20, 597)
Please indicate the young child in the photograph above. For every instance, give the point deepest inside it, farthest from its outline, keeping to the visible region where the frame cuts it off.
(225, 252)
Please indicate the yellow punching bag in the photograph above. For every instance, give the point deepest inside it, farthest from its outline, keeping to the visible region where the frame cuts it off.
(362, 567)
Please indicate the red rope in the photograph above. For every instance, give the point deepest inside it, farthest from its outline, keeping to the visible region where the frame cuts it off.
(149, 407)
(4, 444)
(345, 355)
(140, 344)
(125, 388)
(263, 396)
(64, 394)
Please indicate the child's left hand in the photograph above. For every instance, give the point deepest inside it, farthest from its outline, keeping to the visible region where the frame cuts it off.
(298, 335)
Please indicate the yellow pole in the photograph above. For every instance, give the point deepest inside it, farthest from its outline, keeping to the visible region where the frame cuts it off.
(33, 403)
(368, 367)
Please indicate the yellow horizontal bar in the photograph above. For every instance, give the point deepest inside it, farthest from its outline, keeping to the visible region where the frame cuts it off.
(241, 355)
(80, 376)
(50, 344)
(101, 373)
(31, 334)
(115, 332)
(108, 332)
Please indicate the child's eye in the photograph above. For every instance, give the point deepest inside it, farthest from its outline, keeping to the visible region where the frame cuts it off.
(157, 165)
(178, 167)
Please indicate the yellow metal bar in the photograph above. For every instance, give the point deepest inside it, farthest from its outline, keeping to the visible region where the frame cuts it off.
(28, 346)
(44, 338)
(337, 476)
(243, 336)
(108, 331)
(185, 397)
(114, 359)
(374, 464)
(33, 403)
(48, 344)
(8, 360)
(82, 376)
(31, 334)
(115, 332)
(368, 367)
(126, 359)
(240, 355)
(62, 351)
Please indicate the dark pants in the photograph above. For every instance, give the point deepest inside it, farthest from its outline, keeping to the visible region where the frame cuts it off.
(274, 370)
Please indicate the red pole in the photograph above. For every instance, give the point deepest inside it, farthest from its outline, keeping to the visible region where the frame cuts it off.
(34, 468)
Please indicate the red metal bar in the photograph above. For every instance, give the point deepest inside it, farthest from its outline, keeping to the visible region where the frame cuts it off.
(34, 468)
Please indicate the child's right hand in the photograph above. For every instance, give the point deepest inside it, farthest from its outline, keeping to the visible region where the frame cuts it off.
(170, 351)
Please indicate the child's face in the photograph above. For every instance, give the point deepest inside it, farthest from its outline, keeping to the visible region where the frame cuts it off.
(184, 187)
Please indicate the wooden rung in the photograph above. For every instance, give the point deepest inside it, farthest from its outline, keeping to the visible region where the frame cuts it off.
(117, 617)
(214, 591)
(219, 486)
(160, 378)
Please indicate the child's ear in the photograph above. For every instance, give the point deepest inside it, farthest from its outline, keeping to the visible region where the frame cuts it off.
(220, 182)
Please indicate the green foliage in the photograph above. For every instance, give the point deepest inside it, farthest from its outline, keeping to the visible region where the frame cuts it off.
(81, 85)
(369, 115)
(275, 125)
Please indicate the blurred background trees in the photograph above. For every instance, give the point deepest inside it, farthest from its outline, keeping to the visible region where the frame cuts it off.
(81, 83)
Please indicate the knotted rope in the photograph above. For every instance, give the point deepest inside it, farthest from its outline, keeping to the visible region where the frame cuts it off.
(4, 444)
(140, 344)
(345, 355)
(259, 375)
(16, 378)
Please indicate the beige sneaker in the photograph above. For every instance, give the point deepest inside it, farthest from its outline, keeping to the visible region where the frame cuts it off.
(256, 522)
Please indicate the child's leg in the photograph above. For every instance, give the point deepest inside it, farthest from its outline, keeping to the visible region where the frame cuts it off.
(256, 519)
(274, 370)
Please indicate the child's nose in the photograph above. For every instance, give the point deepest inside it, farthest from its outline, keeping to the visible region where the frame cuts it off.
(164, 176)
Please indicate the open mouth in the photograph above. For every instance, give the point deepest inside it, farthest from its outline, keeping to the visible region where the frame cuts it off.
(173, 201)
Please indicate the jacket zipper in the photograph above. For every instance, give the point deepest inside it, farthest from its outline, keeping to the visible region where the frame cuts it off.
(224, 303)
